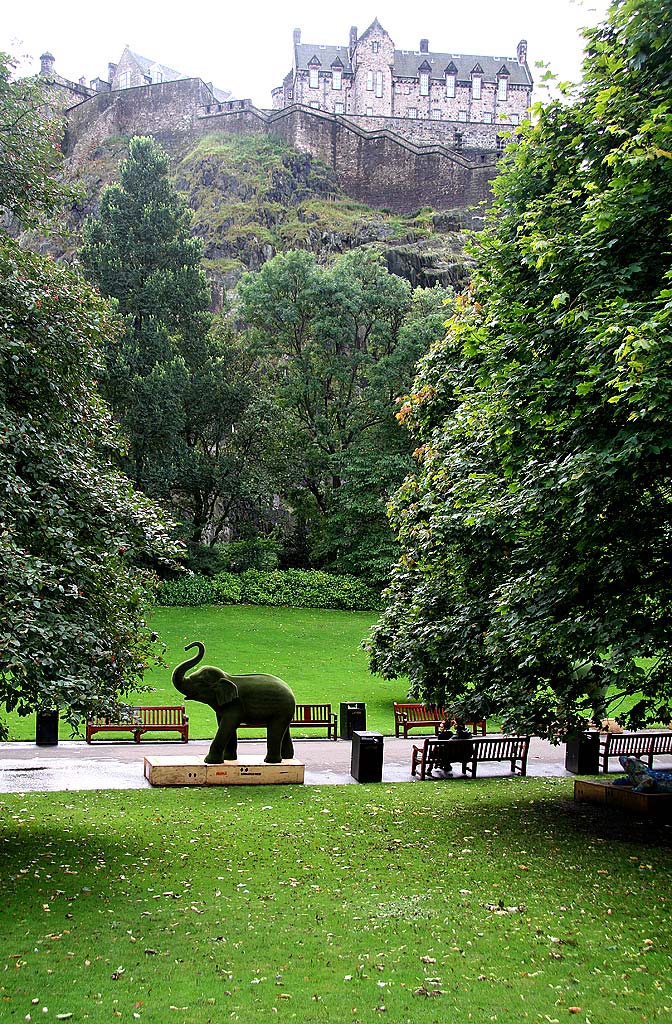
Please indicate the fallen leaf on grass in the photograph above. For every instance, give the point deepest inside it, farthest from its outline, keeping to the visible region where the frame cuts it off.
(428, 959)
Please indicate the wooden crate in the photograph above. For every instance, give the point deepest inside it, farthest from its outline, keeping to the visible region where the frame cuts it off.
(622, 798)
(186, 770)
(246, 771)
(251, 771)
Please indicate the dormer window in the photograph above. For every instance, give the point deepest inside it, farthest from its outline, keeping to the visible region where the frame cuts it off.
(503, 83)
(313, 78)
(424, 83)
(476, 86)
(336, 78)
(451, 82)
(375, 46)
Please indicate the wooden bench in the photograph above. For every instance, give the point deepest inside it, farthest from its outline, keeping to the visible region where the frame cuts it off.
(139, 720)
(310, 715)
(434, 753)
(419, 716)
(634, 744)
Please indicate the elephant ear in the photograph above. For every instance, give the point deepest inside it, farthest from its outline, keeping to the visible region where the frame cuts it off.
(225, 689)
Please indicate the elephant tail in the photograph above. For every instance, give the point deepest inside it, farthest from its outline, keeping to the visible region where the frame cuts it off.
(180, 670)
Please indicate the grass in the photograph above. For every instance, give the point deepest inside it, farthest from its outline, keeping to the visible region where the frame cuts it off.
(316, 651)
(492, 900)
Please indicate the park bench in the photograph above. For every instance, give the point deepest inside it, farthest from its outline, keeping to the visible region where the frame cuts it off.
(645, 744)
(435, 752)
(419, 716)
(139, 720)
(310, 715)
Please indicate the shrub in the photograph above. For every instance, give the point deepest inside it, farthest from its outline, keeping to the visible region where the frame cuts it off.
(256, 553)
(188, 590)
(294, 588)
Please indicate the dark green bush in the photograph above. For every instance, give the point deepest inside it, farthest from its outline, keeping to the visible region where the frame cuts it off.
(188, 590)
(294, 588)
(256, 553)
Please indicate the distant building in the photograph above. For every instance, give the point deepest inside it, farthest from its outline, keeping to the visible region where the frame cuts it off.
(370, 77)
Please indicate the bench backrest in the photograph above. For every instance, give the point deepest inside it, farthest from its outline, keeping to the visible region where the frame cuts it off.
(419, 713)
(500, 748)
(162, 715)
(312, 712)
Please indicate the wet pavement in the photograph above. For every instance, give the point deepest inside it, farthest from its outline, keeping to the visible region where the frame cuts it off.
(119, 764)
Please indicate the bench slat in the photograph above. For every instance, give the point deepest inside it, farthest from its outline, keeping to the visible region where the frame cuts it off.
(484, 748)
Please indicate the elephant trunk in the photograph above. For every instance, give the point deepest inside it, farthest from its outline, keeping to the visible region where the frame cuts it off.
(179, 681)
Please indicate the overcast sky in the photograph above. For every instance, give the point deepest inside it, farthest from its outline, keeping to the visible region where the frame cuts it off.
(247, 47)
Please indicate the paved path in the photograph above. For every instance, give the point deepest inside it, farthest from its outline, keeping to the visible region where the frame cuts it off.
(75, 765)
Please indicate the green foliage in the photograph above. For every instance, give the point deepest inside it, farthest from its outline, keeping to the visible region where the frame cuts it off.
(535, 567)
(293, 588)
(74, 632)
(30, 150)
(340, 344)
(375, 891)
(178, 383)
(255, 553)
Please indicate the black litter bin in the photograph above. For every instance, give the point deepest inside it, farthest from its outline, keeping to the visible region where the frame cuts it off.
(366, 764)
(353, 716)
(46, 728)
(582, 753)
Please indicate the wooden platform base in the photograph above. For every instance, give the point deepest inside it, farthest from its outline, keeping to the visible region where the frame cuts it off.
(622, 798)
(246, 771)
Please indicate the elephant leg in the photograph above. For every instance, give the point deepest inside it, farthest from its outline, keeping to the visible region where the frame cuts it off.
(224, 747)
(275, 733)
(287, 747)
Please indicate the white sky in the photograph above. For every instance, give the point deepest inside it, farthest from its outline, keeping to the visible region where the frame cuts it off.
(247, 47)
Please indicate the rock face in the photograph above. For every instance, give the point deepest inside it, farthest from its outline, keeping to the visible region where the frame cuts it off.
(255, 196)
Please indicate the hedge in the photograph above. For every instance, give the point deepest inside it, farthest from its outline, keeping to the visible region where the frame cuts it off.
(295, 588)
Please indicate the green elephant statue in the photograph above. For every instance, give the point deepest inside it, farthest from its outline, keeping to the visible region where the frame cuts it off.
(261, 700)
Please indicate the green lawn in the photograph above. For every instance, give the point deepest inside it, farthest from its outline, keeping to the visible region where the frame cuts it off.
(492, 900)
(316, 651)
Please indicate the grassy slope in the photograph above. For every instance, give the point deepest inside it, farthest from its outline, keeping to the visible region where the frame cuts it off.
(317, 652)
(492, 900)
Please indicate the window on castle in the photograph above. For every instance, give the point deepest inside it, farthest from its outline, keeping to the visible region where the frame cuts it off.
(125, 80)
(375, 46)
(379, 83)
(514, 118)
(339, 108)
(461, 115)
(412, 112)
(369, 81)
(369, 111)
(336, 78)
(476, 83)
(315, 105)
(424, 83)
(487, 117)
(450, 86)
(313, 78)
(502, 89)
(436, 114)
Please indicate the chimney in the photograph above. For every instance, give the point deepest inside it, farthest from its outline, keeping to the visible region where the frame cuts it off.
(522, 51)
(353, 37)
(424, 46)
(47, 61)
(111, 68)
(82, 81)
(297, 36)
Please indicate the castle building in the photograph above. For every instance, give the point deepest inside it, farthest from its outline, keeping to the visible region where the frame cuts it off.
(370, 78)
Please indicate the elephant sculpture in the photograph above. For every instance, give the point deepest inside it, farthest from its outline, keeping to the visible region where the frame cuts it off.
(261, 700)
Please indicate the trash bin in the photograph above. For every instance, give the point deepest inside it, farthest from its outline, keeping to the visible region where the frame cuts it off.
(366, 764)
(582, 753)
(46, 728)
(353, 716)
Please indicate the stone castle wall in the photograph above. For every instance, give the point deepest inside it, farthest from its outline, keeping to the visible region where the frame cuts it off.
(384, 162)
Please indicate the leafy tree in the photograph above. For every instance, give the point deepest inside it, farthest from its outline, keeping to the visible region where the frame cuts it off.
(29, 148)
(178, 387)
(337, 357)
(72, 529)
(535, 571)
